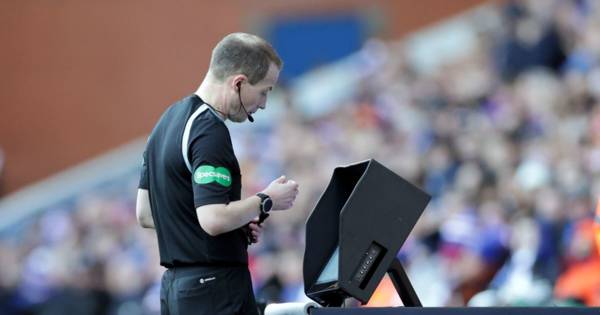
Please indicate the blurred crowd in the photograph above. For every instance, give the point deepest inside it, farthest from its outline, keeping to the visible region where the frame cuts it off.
(505, 136)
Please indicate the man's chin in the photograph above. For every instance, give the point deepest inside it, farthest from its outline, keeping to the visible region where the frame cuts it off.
(239, 119)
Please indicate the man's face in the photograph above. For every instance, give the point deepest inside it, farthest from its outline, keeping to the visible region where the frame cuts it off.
(254, 97)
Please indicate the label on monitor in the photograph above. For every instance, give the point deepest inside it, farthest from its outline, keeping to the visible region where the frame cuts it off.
(368, 263)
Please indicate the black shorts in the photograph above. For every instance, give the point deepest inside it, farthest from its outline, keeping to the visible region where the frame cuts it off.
(207, 290)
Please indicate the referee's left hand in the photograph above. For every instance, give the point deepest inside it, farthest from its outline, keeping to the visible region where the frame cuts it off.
(255, 230)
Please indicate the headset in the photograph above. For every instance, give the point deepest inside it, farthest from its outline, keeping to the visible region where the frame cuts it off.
(239, 90)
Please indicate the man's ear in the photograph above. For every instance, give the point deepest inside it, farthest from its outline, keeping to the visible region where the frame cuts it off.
(238, 80)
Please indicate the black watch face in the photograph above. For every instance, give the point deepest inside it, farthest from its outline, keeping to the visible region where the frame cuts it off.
(267, 205)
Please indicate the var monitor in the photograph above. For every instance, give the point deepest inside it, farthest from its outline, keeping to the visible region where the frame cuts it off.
(355, 231)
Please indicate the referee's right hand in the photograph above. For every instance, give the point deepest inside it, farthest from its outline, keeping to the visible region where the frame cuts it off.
(283, 192)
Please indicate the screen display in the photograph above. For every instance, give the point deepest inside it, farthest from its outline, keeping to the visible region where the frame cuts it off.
(330, 272)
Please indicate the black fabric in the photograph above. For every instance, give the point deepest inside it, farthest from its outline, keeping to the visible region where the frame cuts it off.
(207, 291)
(210, 145)
(175, 195)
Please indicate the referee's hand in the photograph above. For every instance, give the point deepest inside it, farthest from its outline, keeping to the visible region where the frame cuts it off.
(254, 231)
(283, 193)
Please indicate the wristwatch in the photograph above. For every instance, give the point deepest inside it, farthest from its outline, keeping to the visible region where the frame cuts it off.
(265, 204)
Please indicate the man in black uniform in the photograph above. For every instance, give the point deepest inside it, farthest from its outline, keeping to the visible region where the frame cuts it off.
(190, 185)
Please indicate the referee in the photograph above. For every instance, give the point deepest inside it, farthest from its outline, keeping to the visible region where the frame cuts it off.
(190, 184)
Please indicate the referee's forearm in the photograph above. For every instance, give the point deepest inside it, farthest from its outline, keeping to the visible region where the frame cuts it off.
(142, 209)
(148, 224)
(221, 218)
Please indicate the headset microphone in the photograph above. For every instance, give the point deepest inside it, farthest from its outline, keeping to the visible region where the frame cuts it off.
(239, 88)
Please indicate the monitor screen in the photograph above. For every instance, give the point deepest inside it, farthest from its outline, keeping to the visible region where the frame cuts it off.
(330, 272)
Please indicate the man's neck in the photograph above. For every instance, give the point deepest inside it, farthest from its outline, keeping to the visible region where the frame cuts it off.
(212, 94)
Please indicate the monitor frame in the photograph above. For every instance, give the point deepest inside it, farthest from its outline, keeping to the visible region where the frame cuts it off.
(367, 211)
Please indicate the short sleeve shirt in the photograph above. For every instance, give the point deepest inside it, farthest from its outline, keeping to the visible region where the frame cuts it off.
(189, 162)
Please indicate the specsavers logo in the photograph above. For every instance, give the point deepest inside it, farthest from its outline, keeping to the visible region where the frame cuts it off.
(206, 174)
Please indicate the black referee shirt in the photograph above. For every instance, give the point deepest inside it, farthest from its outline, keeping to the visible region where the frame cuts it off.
(189, 162)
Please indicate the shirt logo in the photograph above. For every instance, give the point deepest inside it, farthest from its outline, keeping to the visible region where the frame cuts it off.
(206, 174)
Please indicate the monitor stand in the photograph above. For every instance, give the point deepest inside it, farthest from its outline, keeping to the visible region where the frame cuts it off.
(402, 284)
